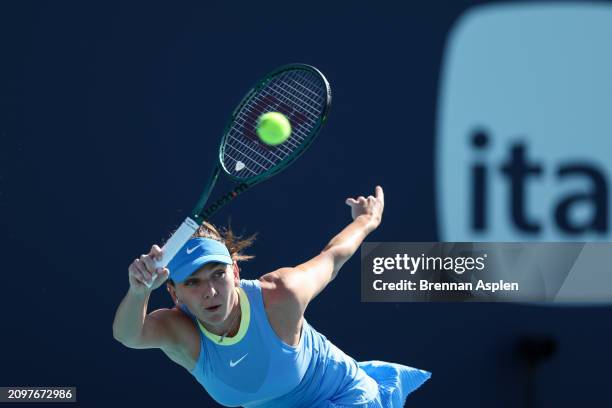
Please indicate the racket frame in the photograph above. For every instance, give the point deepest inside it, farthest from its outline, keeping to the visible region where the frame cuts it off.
(200, 214)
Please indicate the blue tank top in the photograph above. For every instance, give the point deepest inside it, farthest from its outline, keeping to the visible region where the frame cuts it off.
(256, 368)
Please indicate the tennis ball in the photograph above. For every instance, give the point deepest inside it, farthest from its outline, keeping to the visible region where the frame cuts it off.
(273, 128)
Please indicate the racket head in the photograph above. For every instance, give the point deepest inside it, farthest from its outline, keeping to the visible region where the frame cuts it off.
(298, 91)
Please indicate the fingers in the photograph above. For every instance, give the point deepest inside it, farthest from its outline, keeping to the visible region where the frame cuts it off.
(156, 253)
(361, 200)
(141, 270)
(162, 274)
(380, 194)
(351, 201)
(138, 272)
(149, 263)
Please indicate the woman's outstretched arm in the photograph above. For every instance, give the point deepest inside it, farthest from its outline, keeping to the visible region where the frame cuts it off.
(307, 280)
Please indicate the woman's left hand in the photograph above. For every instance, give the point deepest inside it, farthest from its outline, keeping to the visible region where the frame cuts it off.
(370, 207)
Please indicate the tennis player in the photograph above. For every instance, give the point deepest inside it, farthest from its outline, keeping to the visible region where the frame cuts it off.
(246, 341)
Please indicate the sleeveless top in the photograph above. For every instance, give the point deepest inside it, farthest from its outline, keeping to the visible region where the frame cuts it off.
(256, 368)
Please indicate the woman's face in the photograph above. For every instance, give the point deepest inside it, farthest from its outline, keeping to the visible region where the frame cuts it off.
(210, 293)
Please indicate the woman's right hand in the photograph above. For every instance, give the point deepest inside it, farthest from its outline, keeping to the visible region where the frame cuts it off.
(143, 269)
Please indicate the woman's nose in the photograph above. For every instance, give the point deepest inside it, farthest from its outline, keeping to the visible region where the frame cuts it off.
(209, 291)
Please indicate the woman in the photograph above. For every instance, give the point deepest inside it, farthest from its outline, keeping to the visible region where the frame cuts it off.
(246, 341)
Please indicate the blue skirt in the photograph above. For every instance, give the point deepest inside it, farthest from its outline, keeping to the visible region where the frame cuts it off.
(395, 382)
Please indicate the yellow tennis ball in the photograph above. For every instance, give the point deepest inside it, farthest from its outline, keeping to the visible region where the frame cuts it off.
(273, 128)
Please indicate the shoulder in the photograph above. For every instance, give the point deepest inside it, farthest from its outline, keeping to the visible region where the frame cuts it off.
(183, 334)
(280, 288)
(184, 347)
(173, 321)
(282, 304)
(169, 317)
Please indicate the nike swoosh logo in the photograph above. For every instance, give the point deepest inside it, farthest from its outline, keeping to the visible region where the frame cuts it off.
(234, 363)
(190, 250)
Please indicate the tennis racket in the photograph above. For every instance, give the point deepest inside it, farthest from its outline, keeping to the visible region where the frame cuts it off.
(298, 91)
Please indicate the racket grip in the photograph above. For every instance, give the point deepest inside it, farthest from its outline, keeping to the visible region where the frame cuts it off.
(174, 244)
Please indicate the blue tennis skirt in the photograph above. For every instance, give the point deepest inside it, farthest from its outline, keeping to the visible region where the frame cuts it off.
(395, 382)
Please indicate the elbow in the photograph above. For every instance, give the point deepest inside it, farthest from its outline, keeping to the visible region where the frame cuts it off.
(127, 343)
(116, 332)
(117, 335)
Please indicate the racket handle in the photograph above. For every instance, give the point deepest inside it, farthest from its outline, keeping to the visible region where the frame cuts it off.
(174, 244)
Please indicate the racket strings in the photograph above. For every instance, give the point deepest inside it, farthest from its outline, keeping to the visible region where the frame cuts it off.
(284, 91)
(277, 91)
(292, 143)
(300, 95)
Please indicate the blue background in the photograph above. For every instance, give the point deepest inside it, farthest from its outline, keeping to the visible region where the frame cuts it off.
(110, 117)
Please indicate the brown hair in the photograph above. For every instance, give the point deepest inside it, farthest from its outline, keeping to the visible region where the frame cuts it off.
(235, 243)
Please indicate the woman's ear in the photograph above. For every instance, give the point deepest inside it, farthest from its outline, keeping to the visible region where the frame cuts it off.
(236, 273)
(170, 288)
